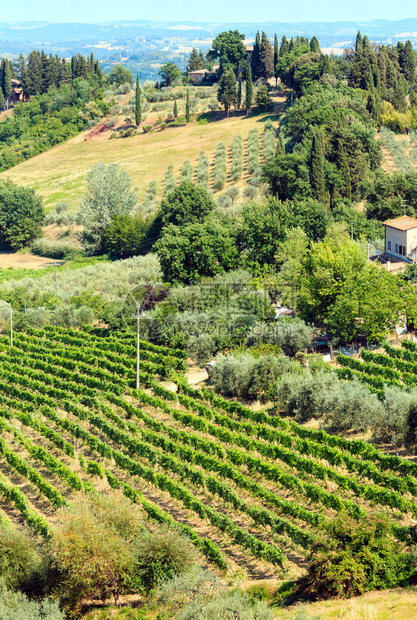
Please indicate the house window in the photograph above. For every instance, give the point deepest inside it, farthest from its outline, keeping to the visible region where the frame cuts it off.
(389, 245)
(396, 248)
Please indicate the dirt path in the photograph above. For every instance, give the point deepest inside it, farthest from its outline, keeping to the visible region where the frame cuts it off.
(17, 260)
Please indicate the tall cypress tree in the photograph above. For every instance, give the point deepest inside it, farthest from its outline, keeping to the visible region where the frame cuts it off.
(276, 56)
(314, 45)
(317, 166)
(344, 169)
(409, 66)
(255, 57)
(1, 100)
(7, 79)
(239, 92)
(266, 58)
(187, 107)
(138, 103)
(226, 93)
(249, 90)
(280, 147)
(99, 73)
(285, 47)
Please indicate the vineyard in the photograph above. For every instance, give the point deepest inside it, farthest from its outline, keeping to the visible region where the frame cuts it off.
(396, 367)
(250, 490)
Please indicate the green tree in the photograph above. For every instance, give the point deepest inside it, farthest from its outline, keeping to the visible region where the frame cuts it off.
(327, 267)
(314, 45)
(226, 93)
(124, 235)
(195, 60)
(249, 90)
(288, 176)
(255, 65)
(21, 215)
(108, 195)
(7, 79)
(1, 100)
(409, 64)
(170, 73)
(120, 75)
(239, 92)
(138, 103)
(263, 99)
(175, 110)
(276, 56)
(197, 250)
(186, 204)
(187, 107)
(266, 58)
(228, 49)
(317, 166)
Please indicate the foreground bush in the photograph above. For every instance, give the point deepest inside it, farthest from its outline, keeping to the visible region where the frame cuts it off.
(199, 594)
(163, 554)
(16, 606)
(92, 550)
(20, 560)
(353, 557)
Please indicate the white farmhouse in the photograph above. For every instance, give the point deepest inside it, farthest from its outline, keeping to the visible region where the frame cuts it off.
(401, 238)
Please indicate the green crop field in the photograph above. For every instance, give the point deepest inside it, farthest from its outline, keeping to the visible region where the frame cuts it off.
(252, 491)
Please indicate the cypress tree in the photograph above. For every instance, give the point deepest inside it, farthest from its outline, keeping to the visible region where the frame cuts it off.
(409, 66)
(226, 93)
(138, 103)
(344, 169)
(175, 111)
(266, 58)
(280, 147)
(255, 57)
(249, 90)
(187, 107)
(358, 43)
(317, 166)
(276, 56)
(7, 79)
(239, 92)
(284, 49)
(1, 100)
(99, 73)
(193, 60)
(314, 45)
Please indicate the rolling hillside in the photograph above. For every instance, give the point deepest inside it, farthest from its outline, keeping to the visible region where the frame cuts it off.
(60, 173)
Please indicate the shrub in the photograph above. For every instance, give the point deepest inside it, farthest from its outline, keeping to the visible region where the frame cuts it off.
(162, 555)
(184, 589)
(162, 126)
(92, 549)
(228, 604)
(353, 557)
(19, 558)
(350, 404)
(303, 394)
(291, 335)
(147, 128)
(16, 606)
(250, 192)
(201, 348)
(61, 250)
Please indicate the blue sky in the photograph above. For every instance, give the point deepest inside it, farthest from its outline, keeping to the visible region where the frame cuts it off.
(211, 10)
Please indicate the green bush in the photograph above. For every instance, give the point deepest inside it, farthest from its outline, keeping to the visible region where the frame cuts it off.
(20, 560)
(201, 348)
(16, 606)
(92, 550)
(146, 128)
(291, 335)
(60, 250)
(163, 554)
(353, 557)
(228, 604)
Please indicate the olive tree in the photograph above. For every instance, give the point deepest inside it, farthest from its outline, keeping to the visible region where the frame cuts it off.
(109, 194)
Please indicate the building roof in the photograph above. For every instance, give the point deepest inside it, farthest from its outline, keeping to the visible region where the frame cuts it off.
(402, 223)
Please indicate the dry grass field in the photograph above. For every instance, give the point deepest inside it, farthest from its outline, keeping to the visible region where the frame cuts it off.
(60, 173)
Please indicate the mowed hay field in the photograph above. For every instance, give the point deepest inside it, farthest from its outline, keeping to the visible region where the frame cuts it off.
(60, 173)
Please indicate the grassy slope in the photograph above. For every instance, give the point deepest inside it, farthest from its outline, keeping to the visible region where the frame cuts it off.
(60, 173)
